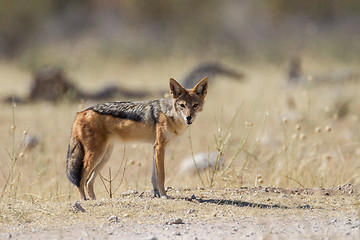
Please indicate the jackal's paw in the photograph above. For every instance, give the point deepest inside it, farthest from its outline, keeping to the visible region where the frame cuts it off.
(156, 193)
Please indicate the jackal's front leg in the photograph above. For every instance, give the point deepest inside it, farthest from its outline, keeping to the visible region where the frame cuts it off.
(158, 174)
(154, 178)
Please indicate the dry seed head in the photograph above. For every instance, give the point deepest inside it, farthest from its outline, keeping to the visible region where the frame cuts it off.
(302, 136)
(294, 136)
(328, 157)
(285, 120)
(13, 127)
(328, 128)
(21, 155)
(25, 133)
(267, 113)
(259, 179)
(285, 148)
(318, 129)
(298, 127)
(258, 140)
(249, 124)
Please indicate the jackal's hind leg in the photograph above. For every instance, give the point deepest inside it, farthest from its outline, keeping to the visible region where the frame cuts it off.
(81, 190)
(92, 158)
(91, 180)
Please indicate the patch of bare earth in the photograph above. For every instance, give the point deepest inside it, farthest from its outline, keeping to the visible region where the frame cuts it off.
(197, 213)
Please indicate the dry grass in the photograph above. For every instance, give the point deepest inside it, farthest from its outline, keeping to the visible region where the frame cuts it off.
(270, 142)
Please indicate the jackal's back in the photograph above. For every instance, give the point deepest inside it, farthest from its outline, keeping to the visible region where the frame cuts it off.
(139, 111)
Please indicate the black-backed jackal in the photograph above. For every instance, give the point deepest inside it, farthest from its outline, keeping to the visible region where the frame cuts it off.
(156, 121)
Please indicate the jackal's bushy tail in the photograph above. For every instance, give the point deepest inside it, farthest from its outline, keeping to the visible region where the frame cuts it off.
(74, 161)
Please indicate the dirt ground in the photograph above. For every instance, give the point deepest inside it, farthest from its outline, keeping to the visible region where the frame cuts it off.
(197, 213)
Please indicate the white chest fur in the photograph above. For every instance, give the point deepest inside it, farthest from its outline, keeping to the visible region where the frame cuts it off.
(175, 127)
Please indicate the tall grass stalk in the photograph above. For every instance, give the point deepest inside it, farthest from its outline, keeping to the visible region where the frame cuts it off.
(111, 179)
(193, 157)
(251, 153)
(244, 140)
(14, 155)
(221, 141)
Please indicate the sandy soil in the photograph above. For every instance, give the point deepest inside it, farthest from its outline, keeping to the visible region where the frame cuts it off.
(199, 213)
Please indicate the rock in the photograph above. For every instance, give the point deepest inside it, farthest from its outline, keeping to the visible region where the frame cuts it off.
(203, 160)
(191, 210)
(76, 207)
(113, 219)
(175, 221)
(31, 141)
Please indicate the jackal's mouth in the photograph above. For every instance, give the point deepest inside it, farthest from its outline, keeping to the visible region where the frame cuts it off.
(188, 119)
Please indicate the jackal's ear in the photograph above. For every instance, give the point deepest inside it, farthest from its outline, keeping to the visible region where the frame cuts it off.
(176, 90)
(201, 88)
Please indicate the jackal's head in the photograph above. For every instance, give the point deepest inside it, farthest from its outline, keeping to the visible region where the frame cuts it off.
(187, 102)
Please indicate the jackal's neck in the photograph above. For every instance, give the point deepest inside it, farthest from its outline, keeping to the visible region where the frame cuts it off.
(168, 108)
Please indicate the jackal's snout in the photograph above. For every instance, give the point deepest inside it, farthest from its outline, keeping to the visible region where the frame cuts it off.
(189, 120)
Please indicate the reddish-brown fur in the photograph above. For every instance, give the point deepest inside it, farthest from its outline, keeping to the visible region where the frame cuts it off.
(93, 133)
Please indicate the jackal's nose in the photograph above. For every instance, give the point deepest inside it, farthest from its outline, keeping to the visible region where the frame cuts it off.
(188, 120)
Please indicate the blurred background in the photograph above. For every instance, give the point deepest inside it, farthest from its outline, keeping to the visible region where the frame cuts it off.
(33, 32)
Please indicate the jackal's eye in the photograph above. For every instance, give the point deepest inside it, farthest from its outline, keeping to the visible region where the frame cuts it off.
(182, 105)
(195, 105)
